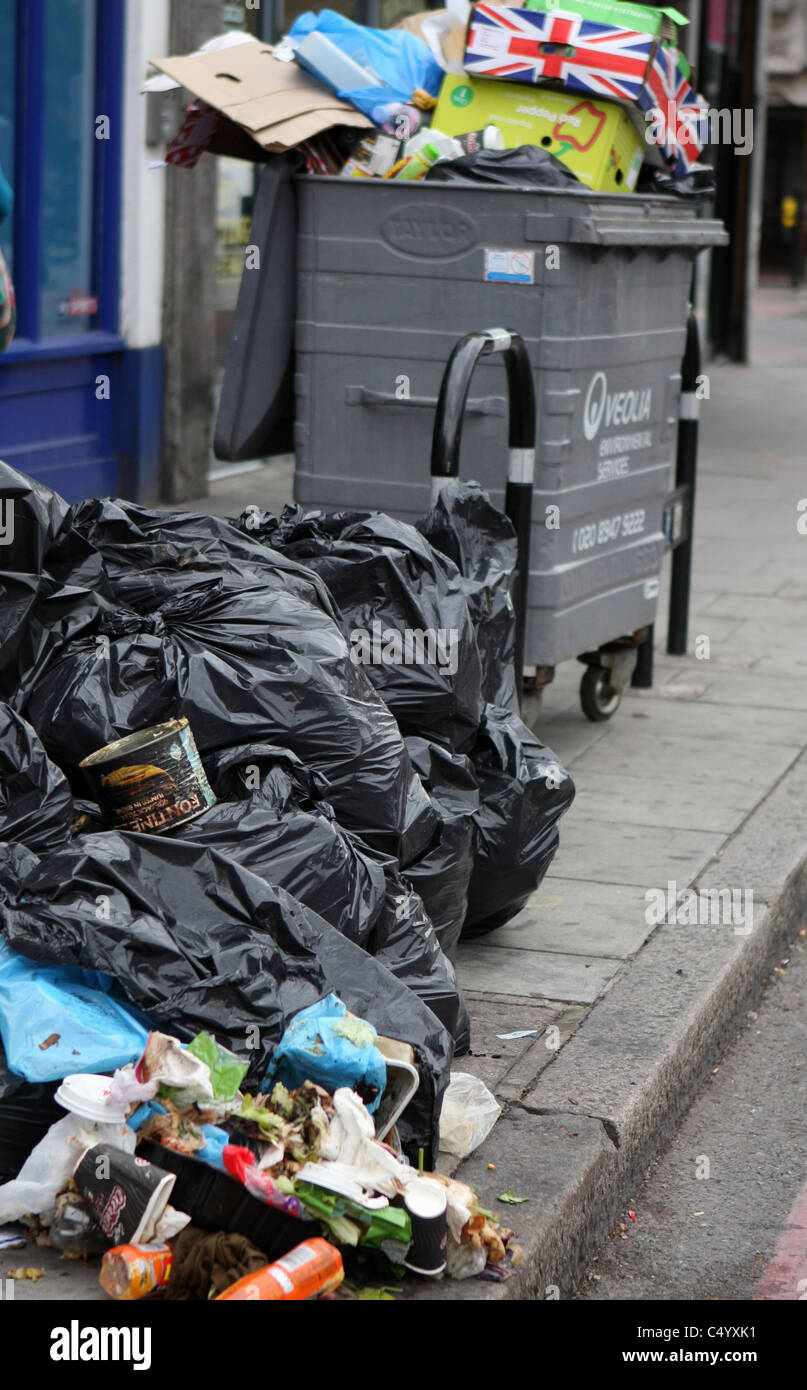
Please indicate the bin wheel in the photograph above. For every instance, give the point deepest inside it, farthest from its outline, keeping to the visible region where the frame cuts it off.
(598, 699)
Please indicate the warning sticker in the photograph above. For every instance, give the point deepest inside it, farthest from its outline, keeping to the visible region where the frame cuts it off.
(513, 267)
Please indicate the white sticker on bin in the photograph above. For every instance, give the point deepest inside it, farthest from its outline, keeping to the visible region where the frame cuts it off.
(510, 267)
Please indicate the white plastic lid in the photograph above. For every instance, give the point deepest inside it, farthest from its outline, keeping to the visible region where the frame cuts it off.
(88, 1096)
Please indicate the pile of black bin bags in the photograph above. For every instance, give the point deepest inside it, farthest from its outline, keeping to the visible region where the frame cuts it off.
(348, 680)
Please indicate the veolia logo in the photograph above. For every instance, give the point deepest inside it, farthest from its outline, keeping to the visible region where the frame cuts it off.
(428, 229)
(616, 408)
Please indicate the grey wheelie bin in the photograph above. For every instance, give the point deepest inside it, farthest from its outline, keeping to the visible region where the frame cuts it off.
(388, 278)
(597, 285)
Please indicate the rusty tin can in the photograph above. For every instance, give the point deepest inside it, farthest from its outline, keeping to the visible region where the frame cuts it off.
(150, 781)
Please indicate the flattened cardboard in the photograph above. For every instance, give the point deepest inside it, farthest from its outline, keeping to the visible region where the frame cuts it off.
(276, 103)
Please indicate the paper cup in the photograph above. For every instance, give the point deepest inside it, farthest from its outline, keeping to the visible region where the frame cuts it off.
(126, 1195)
(426, 1201)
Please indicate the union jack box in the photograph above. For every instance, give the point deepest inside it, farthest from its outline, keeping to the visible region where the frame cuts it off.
(604, 60)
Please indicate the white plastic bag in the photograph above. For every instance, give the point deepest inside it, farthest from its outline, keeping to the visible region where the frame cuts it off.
(53, 1160)
(468, 1115)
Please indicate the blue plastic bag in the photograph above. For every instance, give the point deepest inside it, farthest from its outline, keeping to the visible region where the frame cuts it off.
(400, 60)
(324, 1045)
(93, 1032)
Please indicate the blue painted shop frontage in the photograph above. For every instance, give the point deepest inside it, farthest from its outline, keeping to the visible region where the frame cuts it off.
(71, 391)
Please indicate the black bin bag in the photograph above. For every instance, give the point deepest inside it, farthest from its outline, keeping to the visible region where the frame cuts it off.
(441, 875)
(523, 793)
(27, 1111)
(403, 611)
(245, 662)
(273, 825)
(36, 804)
(196, 941)
(465, 526)
(151, 556)
(293, 841)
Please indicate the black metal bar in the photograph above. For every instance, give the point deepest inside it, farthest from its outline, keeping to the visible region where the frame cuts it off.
(521, 440)
(642, 677)
(686, 464)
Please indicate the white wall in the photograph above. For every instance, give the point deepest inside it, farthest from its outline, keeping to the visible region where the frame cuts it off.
(143, 188)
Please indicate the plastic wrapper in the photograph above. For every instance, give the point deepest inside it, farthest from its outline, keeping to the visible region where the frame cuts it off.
(469, 1113)
(36, 804)
(442, 874)
(524, 791)
(528, 166)
(404, 612)
(401, 61)
(199, 943)
(465, 526)
(244, 662)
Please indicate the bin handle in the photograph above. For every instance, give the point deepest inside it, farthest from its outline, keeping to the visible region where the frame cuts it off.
(479, 405)
(447, 434)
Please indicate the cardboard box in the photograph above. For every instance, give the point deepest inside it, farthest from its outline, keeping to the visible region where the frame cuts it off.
(276, 103)
(597, 140)
(646, 19)
(602, 59)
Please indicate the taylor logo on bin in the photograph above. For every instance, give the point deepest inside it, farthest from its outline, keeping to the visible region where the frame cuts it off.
(613, 408)
(428, 229)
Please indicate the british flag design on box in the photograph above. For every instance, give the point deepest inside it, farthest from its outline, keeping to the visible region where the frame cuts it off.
(680, 116)
(604, 60)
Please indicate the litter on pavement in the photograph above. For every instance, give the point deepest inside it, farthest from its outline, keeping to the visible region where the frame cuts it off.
(227, 1016)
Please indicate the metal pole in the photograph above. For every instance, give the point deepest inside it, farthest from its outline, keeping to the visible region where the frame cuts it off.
(642, 678)
(686, 463)
(521, 446)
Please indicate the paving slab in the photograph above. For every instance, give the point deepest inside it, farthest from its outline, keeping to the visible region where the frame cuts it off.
(540, 974)
(681, 807)
(576, 918)
(615, 851)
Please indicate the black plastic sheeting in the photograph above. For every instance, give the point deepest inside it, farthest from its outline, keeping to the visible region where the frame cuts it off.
(392, 588)
(442, 875)
(405, 941)
(36, 804)
(198, 942)
(279, 832)
(523, 793)
(243, 661)
(150, 556)
(466, 527)
(528, 166)
(27, 1111)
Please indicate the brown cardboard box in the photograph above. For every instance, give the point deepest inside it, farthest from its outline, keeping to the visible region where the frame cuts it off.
(277, 104)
